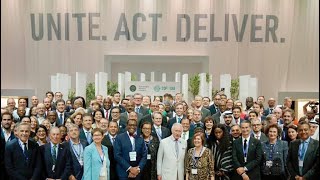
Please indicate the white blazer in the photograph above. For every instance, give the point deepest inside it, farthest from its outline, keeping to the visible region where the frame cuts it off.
(169, 166)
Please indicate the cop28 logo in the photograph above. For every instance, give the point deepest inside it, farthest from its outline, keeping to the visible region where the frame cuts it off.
(157, 88)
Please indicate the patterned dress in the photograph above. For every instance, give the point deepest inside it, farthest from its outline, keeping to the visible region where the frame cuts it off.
(222, 161)
(150, 170)
(204, 164)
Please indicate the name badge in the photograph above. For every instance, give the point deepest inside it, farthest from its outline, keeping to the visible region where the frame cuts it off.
(102, 171)
(148, 156)
(194, 171)
(133, 156)
(245, 159)
(269, 163)
(300, 163)
(53, 166)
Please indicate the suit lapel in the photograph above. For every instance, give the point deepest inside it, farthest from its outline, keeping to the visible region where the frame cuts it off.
(308, 152)
(48, 155)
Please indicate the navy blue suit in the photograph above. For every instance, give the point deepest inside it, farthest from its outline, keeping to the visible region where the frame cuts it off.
(122, 146)
(62, 168)
(19, 165)
(172, 121)
(76, 168)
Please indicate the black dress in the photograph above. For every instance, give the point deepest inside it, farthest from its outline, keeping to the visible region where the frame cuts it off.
(150, 169)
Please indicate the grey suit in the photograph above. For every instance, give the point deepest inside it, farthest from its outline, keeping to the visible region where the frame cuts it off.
(310, 163)
(124, 117)
(263, 137)
(205, 112)
(216, 117)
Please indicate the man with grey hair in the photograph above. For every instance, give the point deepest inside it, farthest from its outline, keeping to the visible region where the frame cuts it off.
(170, 161)
(21, 154)
(55, 162)
(76, 147)
(199, 105)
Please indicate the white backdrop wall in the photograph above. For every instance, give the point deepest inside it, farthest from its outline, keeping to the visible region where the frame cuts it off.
(289, 63)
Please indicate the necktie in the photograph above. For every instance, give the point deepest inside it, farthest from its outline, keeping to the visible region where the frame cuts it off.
(257, 137)
(89, 139)
(184, 136)
(177, 147)
(54, 154)
(159, 132)
(245, 147)
(137, 109)
(61, 120)
(113, 139)
(179, 120)
(271, 111)
(107, 115)
(25, 150)
(301, 156)
(237, 121)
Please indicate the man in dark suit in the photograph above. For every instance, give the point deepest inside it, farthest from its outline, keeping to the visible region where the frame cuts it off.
(130, 153)
(115, 116)
(107, 102)
(272, 106)
(55, 158)
(129, 108)
(246, 154)
(199, 105)
(137, 98)
(116, 102)
(85, 132)
(76, 147)
(214, 108)
(108, 141)
(178, 117)
(303, 155)
(21, 155)
(6, 136)
(154, 107)
(157, 130)
(222, 108)
(61, 114)
(256, 133)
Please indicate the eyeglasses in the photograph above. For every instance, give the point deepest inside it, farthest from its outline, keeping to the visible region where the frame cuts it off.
(256, 124)
(146, 128)
(115, 112)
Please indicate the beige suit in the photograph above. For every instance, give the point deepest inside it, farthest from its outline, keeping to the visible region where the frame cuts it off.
(169, 166)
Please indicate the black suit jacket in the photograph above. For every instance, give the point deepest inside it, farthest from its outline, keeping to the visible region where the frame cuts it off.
(62, 168)
(254, 157)
(76, 168)
(310, 163)
(212, 109)
(165, 132)
(17, 164)
(106, 141)
(172, 121)
(65, 115)
(148, 117)
(216, 117)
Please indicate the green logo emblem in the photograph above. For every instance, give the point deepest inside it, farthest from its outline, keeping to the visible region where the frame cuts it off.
(133, 88)
(157, 88)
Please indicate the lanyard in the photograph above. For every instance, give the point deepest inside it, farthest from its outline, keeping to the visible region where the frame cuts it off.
(77, 153)
(102, 159)
(194, 160)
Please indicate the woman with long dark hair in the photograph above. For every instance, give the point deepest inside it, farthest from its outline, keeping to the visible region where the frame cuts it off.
(222, 152)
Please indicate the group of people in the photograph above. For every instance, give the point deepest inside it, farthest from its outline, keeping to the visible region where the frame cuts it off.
(165, 138)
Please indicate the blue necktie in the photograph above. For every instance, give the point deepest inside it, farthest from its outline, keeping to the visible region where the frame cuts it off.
(89, 139)
(179, 120)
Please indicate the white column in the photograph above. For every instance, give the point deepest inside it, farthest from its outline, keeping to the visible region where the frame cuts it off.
(103, 88)
(81, 83)
(164, 77)
(142, 77)
(152, 76)
(54, 83)
(210, 87)
(178, 77)
(203, 88)
(225, 82)
(243, 88)
(121, 84)
(185, 87)
(127, 77)
(253, 87)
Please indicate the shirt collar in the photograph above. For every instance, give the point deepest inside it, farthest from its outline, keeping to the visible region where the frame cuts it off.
(306, 141)
(22, 143)
(248, 139)
(134, 135)
(51, 144)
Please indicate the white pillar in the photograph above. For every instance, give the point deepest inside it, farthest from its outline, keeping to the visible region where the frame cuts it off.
(178, 77)
(253, 87)
(142, 77)
(103, 87)
(164, 77)
(244, 88)
(225, 82)
(203, 88)
(185, 87)
(81, 83)
(127, 77)
(152, 76)
(96, 84)
(54, 83)
(121, 83)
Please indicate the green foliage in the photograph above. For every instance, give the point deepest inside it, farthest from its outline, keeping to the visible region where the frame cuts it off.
(90, 93)
(112, 87)
(71, 94)
(134, 77)
(194, 84)
(234, 90)
(208, 79)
